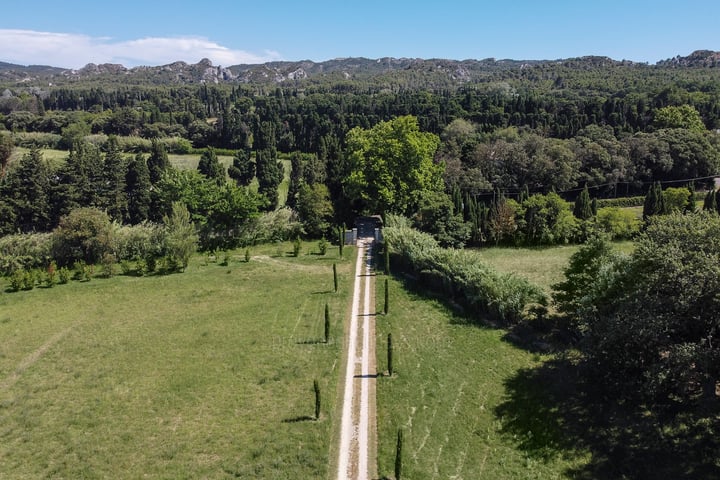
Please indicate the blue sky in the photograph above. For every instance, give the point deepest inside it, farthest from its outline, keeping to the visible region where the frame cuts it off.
(71, 33)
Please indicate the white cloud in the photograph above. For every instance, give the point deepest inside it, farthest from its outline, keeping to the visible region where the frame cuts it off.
(26, 47)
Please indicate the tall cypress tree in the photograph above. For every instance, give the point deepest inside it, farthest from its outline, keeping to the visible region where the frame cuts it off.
(654, 202)
(137, 188)
(583, 205)
(114, 172)
(269, 175)
(210, 166)
(710, 203)
(158, 161)
(242, 169)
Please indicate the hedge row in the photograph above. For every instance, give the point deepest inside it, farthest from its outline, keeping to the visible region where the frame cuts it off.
(461, 275)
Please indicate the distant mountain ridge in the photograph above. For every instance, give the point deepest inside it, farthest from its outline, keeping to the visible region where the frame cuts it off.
(278, 72)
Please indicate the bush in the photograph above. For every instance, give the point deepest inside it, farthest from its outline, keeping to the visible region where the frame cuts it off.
(137, 241)
(297, 246)
(85, 234)
(51, 274)
(17, 280)
(64, 275)
(276, 226)
(25, 251)
(322, 246)
(37, 139)
(620, 224)
(108, 265)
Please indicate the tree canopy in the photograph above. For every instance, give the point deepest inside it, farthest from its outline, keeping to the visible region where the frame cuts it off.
(392, 165)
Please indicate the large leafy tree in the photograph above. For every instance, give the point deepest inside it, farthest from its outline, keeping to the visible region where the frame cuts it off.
(315, 209)
(656, 336)
(391, 166)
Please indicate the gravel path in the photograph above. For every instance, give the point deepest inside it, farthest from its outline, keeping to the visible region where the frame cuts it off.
(358, 429)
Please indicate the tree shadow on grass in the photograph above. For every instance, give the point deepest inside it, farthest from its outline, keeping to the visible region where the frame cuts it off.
(552, 411)
(302, 418)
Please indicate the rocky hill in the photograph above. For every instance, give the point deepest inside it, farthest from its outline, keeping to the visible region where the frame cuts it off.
(432, 71)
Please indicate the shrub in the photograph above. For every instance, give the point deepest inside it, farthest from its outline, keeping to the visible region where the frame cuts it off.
(297, 246)
(137, 241)
(17, 280)
(322, 246)
(64, 275)
(618, 223)
(51, 274)
(25, 251)
(125, 267)
(84, 234)
(108, 265)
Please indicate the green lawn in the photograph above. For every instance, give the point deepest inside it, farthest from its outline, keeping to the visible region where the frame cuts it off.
(204, 374)
(450, 380)
(543, 266)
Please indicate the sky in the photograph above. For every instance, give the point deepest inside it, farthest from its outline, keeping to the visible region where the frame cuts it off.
(73, 33)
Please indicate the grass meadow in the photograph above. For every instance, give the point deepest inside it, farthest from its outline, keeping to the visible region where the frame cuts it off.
(453, 393)
(448, 395)
(203, 374)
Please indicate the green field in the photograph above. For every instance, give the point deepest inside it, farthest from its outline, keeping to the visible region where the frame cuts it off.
(449, 385)
(204, 374)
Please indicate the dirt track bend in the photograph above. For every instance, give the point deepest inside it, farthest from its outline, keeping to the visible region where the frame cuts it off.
(358, 428)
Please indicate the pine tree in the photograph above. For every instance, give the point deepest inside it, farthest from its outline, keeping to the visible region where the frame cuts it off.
(26, 190)
(137, 188)
(583, 205)
(80, 181)
(210, 166)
